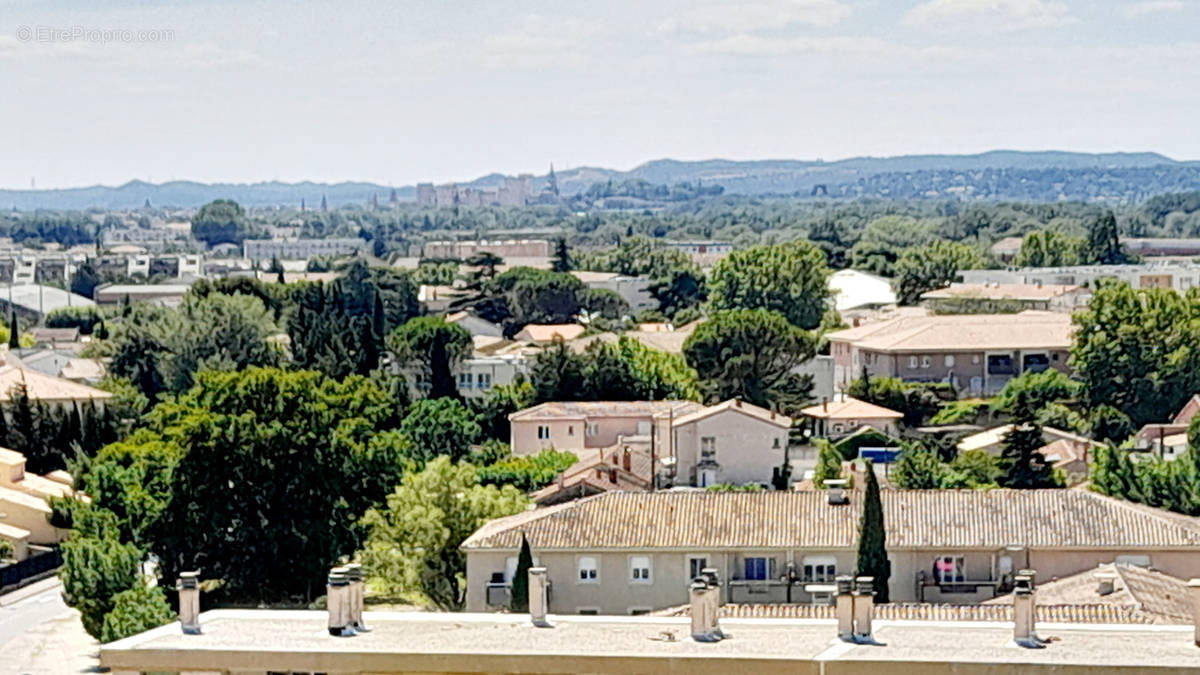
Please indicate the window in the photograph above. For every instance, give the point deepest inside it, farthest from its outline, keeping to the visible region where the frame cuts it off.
(819, 568)
(570, 429)
(1133, 560)
(696, 565)
(708, 448)
(589, 573)
(639, 611)
(464, 380)
(639, 569)
(483, 380)
(948, 360)
(543, 432)
(776, 444)
(1000, 364)
(912, 362)
(592, 429)
(588, 611)
(948, 569)
(756, 569)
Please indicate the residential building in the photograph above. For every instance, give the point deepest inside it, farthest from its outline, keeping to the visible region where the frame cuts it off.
(261, 641)
(853, 289)
(504, 248)
(63, 363)
(628, 552)
(633, 290)
(54, 391)
(1145, 594)
(546, 333)
(996, 298)
(992, 440)
(703, 253)
(977, 353)
(1179, 276)
(301, 249)
(167, 295)
(1008, 248)
(33, 302)
(607, 469)
(474, 324)
(24, 511)
(1169, 439)
(845, 415)
(691, 444)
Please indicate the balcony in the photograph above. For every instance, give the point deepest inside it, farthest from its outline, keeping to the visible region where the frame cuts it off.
(774, 591)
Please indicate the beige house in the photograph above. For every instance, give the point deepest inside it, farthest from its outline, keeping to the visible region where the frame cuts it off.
(629, 552)
(24, 511)
(999, 298)
(977, 353)
(691, 444)
(546, 333)
(54, 391)
(844, 416)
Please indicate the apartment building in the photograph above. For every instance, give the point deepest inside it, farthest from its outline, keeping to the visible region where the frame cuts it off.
(999, 298)
(1179, 276)
(300, 249)
(692, 444)
(632, 552)
(504, 248)
(977, 353)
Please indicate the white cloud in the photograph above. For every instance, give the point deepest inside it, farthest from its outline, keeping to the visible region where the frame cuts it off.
(538, 42)
(732, 18)
(1136, 10)
(1004, 15)
(847, 47)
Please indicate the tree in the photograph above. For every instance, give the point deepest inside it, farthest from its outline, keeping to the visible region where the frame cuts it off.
(439, 426)
(14, 340)
(1040, 389)
(414, 543)
(96, 567)
(603, 302)
(557, 374)
(1024, 466)
(1137, 350)
(751, 354)
(85, 280)
(927, 268)
(1049, 249)
(135, 611)
(1103, 246)
(494, 407)
(546, 297)
(274, 468)
(520, 580)
(872, 550)
(918, 469)
(487, 262)
(527, 473)
(829, 463)
(220, 222)
(790, 279)
(682, 288)
(433, 347)
(562, 256)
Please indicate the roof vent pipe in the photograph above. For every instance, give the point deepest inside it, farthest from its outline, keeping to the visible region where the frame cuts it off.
(835, 491)
(354, 574)
(337, 599)
(1025, 613)
(864, 609)
(844, 607)
(538, 597)
(188, 586)
(1105, 582)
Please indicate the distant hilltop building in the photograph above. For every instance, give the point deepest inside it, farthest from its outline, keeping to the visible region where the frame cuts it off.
(511, 192)
(300, 249)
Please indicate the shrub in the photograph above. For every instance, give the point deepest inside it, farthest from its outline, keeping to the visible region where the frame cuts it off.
(135, 611)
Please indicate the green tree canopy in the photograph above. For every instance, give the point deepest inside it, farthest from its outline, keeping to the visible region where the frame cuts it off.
(751, 354)
(220, 222)
(790, 279)
(439, 426)
(1050, 249)
(872, 551)
(1103, 245)
(433, 347)
(413, 543)
(927, 268)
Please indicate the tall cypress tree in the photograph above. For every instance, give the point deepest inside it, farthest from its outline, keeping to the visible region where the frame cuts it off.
(872, 544)
(562, 256)
(14, 339)
(520, 581)
(1024, 467)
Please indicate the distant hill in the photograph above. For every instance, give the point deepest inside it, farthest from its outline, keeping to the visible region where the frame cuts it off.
(1000, 174)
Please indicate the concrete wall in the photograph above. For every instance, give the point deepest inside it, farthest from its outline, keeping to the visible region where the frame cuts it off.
(572, 434)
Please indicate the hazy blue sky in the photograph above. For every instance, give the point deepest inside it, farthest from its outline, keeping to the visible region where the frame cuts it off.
(402, 91)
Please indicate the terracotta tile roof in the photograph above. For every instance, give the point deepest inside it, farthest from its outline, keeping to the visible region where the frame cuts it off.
(537, 332)
(968, 332)
(1029, 292)
(43, 387)
(583, 409)
(913, 611)
(1149, 595)
(736, 405)
(849, 408)
(994, 436)
(915, 519)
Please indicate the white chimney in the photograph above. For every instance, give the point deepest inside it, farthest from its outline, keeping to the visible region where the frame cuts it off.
(701, 610)
(188, 586)
(1194, 592)
(354, 575)
(337, 598)
(1025, 613)
(835, 491)
(538, 597)
(713, 580)
(864, 608)
(844, 607)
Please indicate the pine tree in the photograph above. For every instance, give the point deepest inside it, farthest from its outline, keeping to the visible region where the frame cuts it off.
(14, 339)
(1024, 467)
(872, 545)
(562, 256)
(520, 580)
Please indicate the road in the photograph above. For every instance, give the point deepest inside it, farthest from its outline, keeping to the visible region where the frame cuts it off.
(28, 608)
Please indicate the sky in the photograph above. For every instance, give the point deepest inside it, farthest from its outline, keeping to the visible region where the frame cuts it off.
(402, 91)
